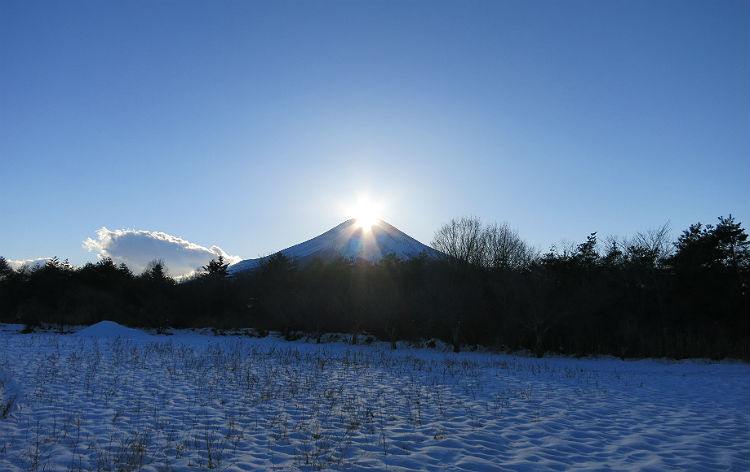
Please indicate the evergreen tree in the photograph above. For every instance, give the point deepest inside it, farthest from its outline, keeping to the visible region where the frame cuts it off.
(694, 248)
(731, 243)
(725, 245)
(642, 256)
(216, 269)
(5, 268)
(157, 272)
(586, 254)
(614, 255)
(278, 267)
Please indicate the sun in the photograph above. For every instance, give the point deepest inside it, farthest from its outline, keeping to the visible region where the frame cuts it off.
(366, 214)
(366, 222)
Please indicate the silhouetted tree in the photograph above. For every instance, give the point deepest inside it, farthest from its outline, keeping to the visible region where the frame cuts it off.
(461, 240)
(650, 247)
(732, 245)
(504, 249)
(5, 268)
(586, 254)
(622, 301)
(613, 257)
(696, 248)
(156, 270)
(216, 269)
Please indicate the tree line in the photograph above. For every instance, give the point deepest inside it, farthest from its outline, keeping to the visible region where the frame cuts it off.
(638, 297)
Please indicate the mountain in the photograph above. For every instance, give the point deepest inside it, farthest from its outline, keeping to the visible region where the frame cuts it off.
(350, 241)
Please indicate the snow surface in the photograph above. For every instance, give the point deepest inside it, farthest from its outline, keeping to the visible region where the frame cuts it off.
(110, 329)
(193, 401)
(350, 242)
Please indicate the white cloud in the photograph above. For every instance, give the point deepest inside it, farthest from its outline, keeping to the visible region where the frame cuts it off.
(137, 248)
(30, 264)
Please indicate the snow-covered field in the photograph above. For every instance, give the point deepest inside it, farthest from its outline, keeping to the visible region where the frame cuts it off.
(110, 398)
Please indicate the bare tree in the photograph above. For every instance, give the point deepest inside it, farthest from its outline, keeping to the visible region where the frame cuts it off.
(461, 239)
(496, 246)
(652, 246)
(504, 249)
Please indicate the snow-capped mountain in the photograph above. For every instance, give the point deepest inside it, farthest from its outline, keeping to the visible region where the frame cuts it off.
(350, 241)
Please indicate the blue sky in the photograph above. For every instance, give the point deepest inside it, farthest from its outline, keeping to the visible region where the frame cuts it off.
(252, 125)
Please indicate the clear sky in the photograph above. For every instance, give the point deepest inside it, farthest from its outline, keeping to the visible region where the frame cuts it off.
(253, 126)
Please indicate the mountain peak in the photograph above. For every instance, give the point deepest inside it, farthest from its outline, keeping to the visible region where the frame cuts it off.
(351, 240)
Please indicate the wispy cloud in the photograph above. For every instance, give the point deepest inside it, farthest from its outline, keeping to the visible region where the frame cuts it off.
(136, 248)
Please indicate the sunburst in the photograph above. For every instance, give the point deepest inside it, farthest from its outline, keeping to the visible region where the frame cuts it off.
(366, 214)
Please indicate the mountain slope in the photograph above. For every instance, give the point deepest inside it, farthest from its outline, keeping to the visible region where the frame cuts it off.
(349, 241)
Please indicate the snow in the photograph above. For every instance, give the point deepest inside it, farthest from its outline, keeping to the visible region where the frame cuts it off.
(194, 401)
(110, 329)
(348, 241)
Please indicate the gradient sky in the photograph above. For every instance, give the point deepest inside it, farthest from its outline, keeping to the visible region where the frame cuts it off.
(253, 125)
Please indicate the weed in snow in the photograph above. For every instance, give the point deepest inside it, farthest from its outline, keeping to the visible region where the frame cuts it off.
(215, 403)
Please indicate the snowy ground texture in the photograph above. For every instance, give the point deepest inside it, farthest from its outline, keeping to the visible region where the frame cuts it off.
(109, 398)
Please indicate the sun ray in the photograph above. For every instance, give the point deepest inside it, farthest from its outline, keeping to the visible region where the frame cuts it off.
(366, 213)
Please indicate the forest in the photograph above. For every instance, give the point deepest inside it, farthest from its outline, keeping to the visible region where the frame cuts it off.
(641, 297)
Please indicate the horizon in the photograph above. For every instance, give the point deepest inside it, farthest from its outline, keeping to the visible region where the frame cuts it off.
(245, 129)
